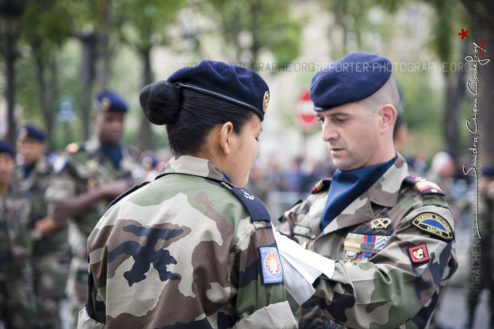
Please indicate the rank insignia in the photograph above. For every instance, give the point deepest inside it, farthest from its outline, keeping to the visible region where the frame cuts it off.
(72, 148)
(322, 185)
(272, 271)
(434, 224)
(380, 223)
(419, 254)
(423, 185)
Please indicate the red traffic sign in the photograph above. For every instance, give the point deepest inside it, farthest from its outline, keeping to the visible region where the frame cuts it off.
(304, 110)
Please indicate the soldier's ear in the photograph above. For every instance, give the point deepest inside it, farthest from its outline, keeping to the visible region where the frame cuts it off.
(225, 135)
(387, 117)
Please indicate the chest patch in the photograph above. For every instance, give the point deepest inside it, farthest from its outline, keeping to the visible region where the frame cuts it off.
(434, 224)
(360, 247)
(272, 271)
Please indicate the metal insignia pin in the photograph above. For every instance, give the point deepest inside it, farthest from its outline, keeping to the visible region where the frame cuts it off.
(265, 101)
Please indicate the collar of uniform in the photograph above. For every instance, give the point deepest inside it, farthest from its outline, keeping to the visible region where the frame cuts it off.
(385, 191)
(190, 165)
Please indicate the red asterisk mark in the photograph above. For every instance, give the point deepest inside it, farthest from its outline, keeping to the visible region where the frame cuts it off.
(463, 33)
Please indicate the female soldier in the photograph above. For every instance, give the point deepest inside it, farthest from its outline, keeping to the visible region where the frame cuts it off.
(190, 249)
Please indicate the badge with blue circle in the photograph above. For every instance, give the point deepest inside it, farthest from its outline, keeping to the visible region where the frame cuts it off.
(272, 271)
(435, 225)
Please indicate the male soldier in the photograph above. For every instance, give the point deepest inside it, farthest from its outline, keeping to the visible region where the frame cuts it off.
(17, 302)
(390, 234)
(51, 253)
(96, 172)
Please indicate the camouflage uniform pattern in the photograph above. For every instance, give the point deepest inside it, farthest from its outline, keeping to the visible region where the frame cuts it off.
(87, 167)
(17, 300)
(183, 252)
(51, 253)
(377, 283)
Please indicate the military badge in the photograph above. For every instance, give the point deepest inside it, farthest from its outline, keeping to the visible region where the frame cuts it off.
(380, 223)
(105, 104)
(72, 148)
(272, 271)
(419, 254)
(247, 195)
(360, 247)
(23, 133)
(265, 101)
(434, 224)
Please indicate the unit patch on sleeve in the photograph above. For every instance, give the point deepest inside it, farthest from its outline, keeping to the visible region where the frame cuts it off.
(434, 224)
(272, 271)
(419, 254)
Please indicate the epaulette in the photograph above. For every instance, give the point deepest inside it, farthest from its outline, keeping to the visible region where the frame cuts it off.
(124, 194)
(423, 185)
(256, 209)
(321, 186)
(73, 148)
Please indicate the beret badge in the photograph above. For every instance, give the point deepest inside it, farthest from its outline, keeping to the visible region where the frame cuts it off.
(265, 101)
(23, 133)
(105, 104)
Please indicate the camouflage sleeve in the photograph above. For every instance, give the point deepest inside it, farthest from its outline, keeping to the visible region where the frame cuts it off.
(261, 300)
(395, 284)
(290, 217)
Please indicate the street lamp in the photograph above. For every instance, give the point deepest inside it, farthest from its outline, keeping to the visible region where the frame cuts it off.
(10, 14)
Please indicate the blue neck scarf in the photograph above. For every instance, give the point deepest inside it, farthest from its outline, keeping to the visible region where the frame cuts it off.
(27, 170)
(347, 185)
(114, 152)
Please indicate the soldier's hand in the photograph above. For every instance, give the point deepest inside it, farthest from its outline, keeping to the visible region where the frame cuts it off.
(115, 188)
(47, 224)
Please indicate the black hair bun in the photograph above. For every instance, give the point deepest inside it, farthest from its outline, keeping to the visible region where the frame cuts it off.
(160, 102)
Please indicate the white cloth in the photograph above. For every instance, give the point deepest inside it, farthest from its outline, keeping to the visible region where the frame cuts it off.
(301, 267)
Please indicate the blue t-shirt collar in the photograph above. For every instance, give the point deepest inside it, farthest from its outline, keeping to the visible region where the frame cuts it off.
(347, 185)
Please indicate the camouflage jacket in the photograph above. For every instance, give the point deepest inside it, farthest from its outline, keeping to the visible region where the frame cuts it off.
(15, 242)
(36, 184)
(187, 250)
(394, 252)
(86, 167)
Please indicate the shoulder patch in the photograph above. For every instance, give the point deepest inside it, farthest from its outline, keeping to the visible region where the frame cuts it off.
(272, 271)
(72, 148)
(423, 185)
(434, 224)
(419, 254)
(321, 186)
(124, 194)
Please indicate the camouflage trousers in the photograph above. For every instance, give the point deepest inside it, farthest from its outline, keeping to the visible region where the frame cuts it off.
(17, 300)
(50, 278)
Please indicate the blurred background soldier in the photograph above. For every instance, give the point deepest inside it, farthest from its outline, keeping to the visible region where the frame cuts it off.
(17, 301)
(51, 253)
(95, 172)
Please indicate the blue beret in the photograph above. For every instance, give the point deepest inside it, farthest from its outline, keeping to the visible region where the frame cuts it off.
(110, 101)
(488, 171)
(31, 131)
(6, 148)
(350, 79)
(232, 83)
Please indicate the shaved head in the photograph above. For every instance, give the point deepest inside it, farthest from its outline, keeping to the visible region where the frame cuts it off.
(387, 94)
